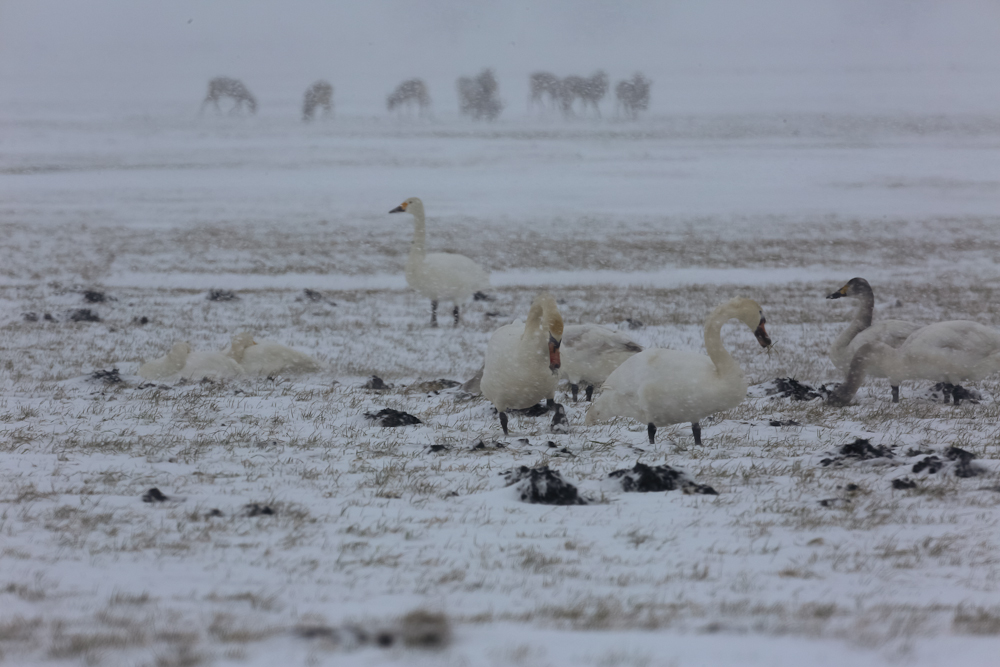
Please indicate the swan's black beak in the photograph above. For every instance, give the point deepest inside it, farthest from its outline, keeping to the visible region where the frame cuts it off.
(399, 209)
(839, 293)
(761, 334)
(554, 353)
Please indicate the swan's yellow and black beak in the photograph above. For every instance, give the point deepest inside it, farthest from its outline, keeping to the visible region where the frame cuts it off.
(839, 293)
(760, 333)
(554, 353)
(400, 209)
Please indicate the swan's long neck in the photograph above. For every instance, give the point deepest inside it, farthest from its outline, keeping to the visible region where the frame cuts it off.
(418, 246)
(868, 354)
(724, 362)
(862, 320)
(532, 336)
(177, 357)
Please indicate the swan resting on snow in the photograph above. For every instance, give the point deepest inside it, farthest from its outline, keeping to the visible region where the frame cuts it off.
(659, 387)
(950, 352)
(267, 357)
(862, 331)
(182, 363)
(590, 353)
(439, 276)
(522, 361)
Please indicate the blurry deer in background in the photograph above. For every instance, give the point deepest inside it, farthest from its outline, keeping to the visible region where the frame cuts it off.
(409, 94)
(633, 96)
(223, 86)
(320, 94)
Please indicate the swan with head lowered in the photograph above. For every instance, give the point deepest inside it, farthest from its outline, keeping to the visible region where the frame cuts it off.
(439, 276)
(182, 363)
(267, 357)
(590, 353)
(522, 362)
(861, 330)
(949, 352)
(659, 387)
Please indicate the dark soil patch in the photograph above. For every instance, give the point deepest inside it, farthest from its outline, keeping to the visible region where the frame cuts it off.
(859, 450)
(944, 392)
(542, 486)
(787, 422)
(642, 478)
(84, 315)
(256, 509)
(903, 483)
(432, 386)
(962, 460)
(376, 384)
(93, 296)
(154, 495)
(482, 296)
(389, 418)
(634, 324)
(221, 295)
(560, 424)
(797, 391)
(107, 377)
(30, 317)
(536, 410)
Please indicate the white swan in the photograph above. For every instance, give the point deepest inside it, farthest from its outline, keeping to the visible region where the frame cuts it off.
(169, 364)
(862, 331)
(950, 352)
(660, 387)
(522, 362)
(267, 357)
(590, 353)
(439, 276)
(182, 363)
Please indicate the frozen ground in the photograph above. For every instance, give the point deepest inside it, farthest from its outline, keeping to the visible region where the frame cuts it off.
(657, 221)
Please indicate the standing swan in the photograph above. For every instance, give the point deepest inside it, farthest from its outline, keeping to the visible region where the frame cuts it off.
(590, 353)
(522, 363)
(861, 330)
(660, 387)
(439, 276)
(949, 352)
(267, 357)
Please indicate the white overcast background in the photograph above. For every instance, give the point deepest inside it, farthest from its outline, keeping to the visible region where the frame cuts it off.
(709, 56)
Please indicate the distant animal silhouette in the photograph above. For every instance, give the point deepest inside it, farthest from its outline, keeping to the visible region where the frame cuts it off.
(633, 96)
(320, 94)
(545, 90)
(589, 91)
(223, 86)
(478, 96)
(409, 94)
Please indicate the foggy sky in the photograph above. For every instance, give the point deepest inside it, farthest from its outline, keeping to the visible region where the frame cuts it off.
(938, 53)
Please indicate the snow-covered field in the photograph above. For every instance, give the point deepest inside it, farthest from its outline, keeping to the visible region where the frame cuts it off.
(655, 221)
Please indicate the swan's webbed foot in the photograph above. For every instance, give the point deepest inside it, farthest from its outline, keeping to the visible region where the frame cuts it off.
(590, 392)
(895, 394)
(559, 422)
(503, 423)
(434, 313)
(696, 429)
(651, 430)
(575, 389)
(455, 315)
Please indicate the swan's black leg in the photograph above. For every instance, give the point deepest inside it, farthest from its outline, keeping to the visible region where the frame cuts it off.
(455, 314)
(550, 404)
(651, 430)
(696, 429)
(590, 392)
(503, 423)
(434, 313)
(895, 394)
(575, 388)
